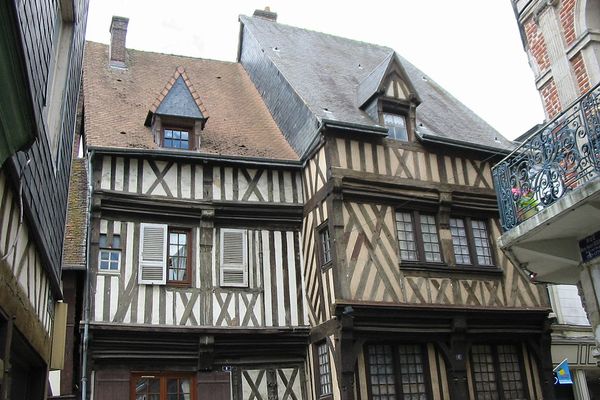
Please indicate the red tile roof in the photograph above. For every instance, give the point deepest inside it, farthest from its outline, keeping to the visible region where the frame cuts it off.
(117, 102)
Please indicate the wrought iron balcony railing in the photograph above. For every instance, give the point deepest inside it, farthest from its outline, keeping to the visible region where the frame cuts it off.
(554, 161)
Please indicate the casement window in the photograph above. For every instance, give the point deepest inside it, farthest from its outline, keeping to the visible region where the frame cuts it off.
(497, 372)
(109, 255)
(324, 370)
(324, 244)
(397, 372)
(179, 262)
(165, 255)
(164, 386)
(418, 237)
(176, 138)
(396, 124)
(471, 242)
(234, 258)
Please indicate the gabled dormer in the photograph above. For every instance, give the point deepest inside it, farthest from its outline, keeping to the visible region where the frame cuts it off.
(177, 116)
(390, 99)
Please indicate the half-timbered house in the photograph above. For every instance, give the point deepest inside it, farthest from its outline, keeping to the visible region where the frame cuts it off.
(196, 287)
(407, 294)
(41, 50)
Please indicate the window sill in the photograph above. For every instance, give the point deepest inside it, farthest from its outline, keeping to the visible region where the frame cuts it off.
(458, 269)
(108, 272)
(179, 284)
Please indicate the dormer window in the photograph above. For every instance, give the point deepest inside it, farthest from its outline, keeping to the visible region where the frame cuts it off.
(389, 98)
(176, 138)
(396, 124)
(177, 116)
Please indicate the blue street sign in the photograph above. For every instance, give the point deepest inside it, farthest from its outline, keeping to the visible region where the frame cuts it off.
(562, 373)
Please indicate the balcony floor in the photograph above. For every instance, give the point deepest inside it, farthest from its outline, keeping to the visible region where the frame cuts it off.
(548, 243)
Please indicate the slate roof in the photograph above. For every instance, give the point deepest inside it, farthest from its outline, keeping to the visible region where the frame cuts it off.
(117, 102)
(325, 71)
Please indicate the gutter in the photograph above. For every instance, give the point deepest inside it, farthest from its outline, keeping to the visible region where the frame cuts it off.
(188, 155)
(86, 290)
(350, 126)
(470, 146)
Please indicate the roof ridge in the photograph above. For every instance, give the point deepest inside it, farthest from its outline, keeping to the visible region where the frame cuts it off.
(170, 54)
(322, 33)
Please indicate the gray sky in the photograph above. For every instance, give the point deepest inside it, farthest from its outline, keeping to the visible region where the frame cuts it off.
(470, 47)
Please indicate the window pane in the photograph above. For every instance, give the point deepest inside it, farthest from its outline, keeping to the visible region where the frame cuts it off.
(459, 241)
(381, 372)
(431, 244)
(109, 260)
(325, 245)
(116, 242)
(176, 139)
(178, 256)
(324, 369)
(484, 374)
(510, 369)
(147, 388)
(482, 243)
(412, 372)
(406, 238)
(102, 242)
(396, 125)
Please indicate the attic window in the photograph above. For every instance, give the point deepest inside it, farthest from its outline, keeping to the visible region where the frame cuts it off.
(396, 124)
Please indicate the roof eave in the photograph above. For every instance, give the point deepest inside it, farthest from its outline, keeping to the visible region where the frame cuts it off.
(197, 156)
(463, 145)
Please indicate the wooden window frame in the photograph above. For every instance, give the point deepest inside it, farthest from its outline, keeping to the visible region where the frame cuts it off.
(397, 107)
(396, 367)
(416, 225)
(110, 249)
(317, 371)
(467, 220)
(320, 245)
(497, 371)
(163, 376)
(189, 130)
(186, 282)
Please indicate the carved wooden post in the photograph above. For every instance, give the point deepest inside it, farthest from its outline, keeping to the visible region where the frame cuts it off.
(459, 351)
(347, 354)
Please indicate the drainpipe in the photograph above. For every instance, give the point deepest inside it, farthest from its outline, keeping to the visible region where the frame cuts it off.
(86, 290)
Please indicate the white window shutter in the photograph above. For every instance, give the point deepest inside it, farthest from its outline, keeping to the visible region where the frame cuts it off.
(153, 254)
(234, 258)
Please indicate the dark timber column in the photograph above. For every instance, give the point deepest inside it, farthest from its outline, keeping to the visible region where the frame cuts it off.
(542, 351)
(459, 351)
(335, 206)
(347, 353)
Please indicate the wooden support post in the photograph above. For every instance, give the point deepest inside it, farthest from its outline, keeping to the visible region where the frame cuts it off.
(347, 353)
(458, 353)
(206, 352)
(5, 392)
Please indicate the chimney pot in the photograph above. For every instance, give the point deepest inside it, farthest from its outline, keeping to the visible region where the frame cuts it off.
(118, 34)
(266, 14)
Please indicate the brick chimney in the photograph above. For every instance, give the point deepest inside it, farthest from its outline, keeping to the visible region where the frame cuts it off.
(117, 50)
(266, 14)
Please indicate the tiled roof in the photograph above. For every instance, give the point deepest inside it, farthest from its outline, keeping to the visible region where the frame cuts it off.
(117, 102)
(74, 248)
(326, 71)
